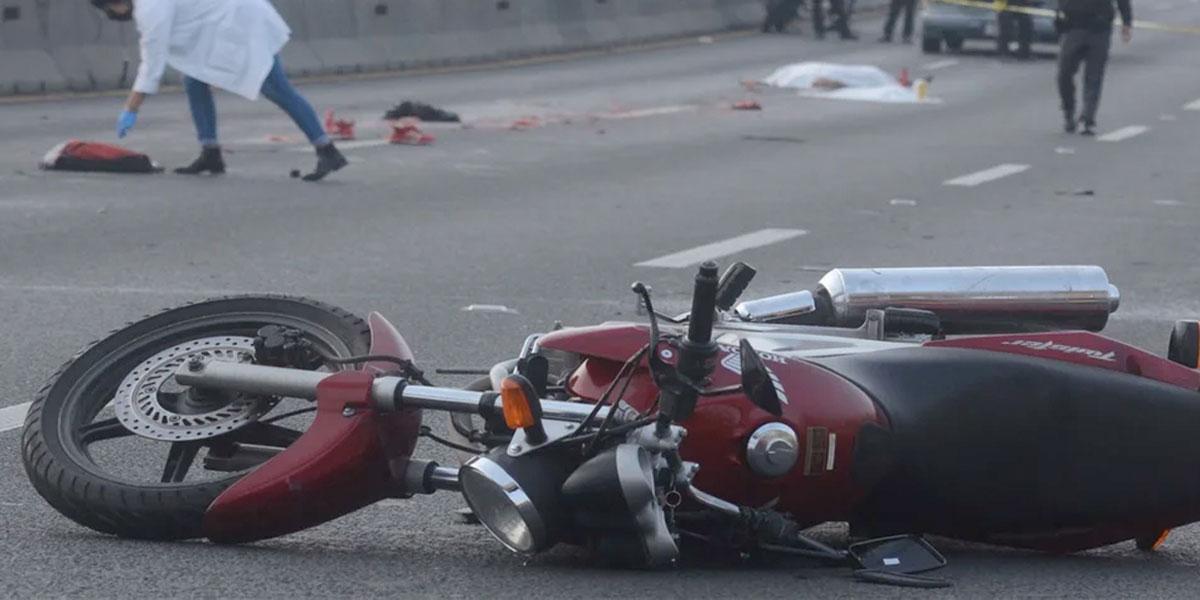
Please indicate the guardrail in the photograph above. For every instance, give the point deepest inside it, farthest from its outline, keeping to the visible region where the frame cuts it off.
(66, 45)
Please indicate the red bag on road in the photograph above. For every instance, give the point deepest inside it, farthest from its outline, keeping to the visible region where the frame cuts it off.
(76, 155)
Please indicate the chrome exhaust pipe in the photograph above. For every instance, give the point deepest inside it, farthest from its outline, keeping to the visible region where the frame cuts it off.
(977, 299)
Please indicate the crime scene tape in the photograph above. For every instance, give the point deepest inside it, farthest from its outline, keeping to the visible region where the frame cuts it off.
(1004, 6)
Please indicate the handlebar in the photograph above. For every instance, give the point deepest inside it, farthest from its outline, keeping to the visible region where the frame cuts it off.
(704, 305)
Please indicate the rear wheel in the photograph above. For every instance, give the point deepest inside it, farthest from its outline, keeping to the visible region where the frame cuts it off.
(115, 444)
(931, 45)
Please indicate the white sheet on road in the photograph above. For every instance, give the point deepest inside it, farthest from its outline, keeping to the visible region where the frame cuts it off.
(860, 82)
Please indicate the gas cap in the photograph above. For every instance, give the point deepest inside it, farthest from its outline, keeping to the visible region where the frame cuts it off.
(772, 450)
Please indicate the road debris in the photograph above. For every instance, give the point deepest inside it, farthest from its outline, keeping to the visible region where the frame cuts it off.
(83, 156)
(406, 133)
(338, 129)
(420, 110)
(747, 105)
(1081, 192)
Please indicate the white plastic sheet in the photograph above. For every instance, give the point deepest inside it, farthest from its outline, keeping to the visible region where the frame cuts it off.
(852, 82)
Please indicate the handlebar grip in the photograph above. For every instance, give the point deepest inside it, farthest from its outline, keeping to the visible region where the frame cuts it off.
(704, 305)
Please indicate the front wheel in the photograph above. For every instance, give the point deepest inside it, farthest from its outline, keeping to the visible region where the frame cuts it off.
(115, 444)
(931, 45)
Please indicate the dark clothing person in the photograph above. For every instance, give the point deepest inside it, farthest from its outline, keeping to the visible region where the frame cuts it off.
(909, 7)
(780, 13)
(841, 23)
(1010, 23)
(1086, 32)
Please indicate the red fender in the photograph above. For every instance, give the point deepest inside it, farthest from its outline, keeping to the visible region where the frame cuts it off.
(345, 461)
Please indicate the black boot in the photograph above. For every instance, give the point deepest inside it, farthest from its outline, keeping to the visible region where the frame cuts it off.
(1089, 127)
(210, 161)
(329, 159)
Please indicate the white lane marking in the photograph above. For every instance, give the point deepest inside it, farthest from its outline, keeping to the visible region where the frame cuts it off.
(1064, 150)
(1193, 105)
(986, 175)
(939, 64)
(902, 202)
(648, 112)
(1124, 133)
(12, 417)
(699, 254)
(352, 145)
(1168, 203)
(490, 308)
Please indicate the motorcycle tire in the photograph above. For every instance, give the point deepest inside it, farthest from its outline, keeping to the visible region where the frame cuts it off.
(58, 460)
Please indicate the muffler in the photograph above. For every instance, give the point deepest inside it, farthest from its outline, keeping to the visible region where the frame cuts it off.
(976, 299)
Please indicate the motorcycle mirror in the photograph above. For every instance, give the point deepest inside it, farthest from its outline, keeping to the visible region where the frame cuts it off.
(733, 283)
(758, 382)
(897, 555)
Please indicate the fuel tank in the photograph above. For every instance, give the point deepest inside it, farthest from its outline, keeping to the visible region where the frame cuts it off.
(1022, 450)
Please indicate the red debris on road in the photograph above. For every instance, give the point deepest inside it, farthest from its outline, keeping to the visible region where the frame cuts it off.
(747, 105)
(406, 133)
(338, 129)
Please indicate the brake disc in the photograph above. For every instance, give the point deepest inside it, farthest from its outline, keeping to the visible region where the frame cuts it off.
(151, 404)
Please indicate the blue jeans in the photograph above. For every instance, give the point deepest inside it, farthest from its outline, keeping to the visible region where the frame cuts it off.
(276, 88)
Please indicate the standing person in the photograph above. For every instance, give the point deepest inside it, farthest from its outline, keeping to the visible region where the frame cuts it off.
(779, 14)
(841, 24)
(229, 44)
(1086, 30)
(1022, 22)
(909, 7)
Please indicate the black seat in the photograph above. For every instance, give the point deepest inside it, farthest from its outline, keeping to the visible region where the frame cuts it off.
(985, 445)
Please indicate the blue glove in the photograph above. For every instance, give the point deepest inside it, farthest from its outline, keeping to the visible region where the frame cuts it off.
(125, 122)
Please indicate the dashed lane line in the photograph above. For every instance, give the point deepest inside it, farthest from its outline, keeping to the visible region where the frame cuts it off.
(699, 254)
(12, 417)
(986, 175)
(1124, 133)
(1193, 105)
(939, 64)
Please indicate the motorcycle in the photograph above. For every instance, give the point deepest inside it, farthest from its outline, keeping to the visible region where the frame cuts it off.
(976, 403)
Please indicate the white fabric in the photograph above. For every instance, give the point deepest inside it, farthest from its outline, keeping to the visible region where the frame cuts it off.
(858, 82)
(230, 44)
(802, 75)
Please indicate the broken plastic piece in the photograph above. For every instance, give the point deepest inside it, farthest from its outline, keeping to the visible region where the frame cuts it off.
(406, 133)
(338, 129)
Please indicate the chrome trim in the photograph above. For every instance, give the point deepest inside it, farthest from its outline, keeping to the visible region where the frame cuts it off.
(772, 450)
(713, 502)
(555, 431)
(529, 346)
(526, 542)
(252, 379)
(1067, 294)
(445, 478)
(435, 398)
(772, 308)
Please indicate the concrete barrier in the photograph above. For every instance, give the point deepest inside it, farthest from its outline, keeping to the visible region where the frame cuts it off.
(55, 45)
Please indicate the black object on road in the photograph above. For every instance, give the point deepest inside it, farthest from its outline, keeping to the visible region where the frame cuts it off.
(422, 111)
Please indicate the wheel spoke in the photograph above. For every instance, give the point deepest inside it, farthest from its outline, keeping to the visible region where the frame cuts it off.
(179, 460)
(102, 430)
(266, 434)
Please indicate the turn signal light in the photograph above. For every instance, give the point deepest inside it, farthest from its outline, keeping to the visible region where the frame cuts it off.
(520, 403)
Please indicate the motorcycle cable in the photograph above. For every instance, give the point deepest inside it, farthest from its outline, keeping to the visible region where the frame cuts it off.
(409, 369)
(589, 449)
(426, 432)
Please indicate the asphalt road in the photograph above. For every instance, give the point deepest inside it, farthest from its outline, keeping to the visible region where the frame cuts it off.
(631, 156)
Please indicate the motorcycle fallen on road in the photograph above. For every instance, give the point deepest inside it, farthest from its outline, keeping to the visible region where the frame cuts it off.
(974, 403)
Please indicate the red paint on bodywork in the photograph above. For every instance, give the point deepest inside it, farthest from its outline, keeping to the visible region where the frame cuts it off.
(341, 464)
(1070, 346)
(721, 426)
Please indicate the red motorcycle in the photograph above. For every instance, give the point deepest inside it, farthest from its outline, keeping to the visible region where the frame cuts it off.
(972, 403)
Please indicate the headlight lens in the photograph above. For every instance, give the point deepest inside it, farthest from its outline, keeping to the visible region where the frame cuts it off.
(502, 505)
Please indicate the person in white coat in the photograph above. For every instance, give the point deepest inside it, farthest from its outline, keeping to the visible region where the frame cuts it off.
(229, 44)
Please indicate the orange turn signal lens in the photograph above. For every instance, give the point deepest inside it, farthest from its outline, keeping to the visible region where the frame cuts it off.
(515, 397)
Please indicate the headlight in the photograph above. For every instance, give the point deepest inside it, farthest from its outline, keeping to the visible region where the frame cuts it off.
(516, 499)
